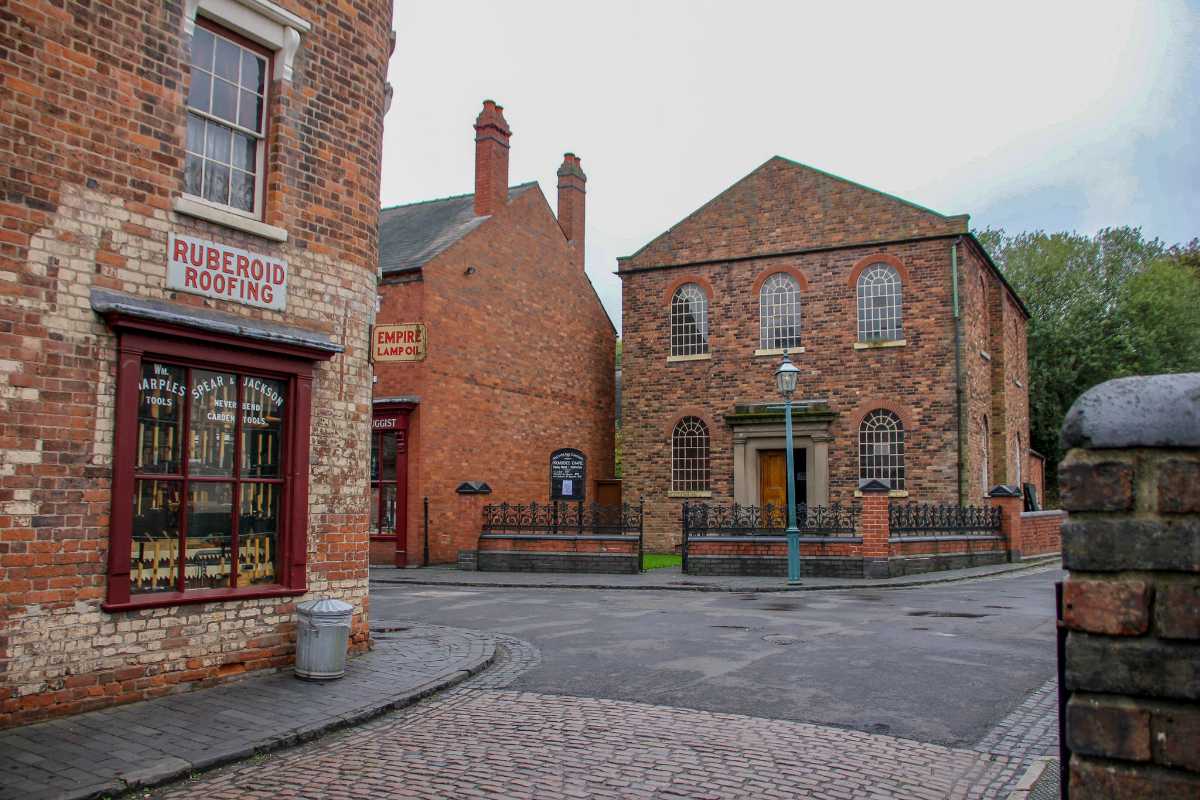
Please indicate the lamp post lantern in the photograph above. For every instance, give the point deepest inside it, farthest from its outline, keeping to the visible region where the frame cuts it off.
(785, 380)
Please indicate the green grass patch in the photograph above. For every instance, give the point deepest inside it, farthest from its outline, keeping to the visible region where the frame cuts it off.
(661, 560)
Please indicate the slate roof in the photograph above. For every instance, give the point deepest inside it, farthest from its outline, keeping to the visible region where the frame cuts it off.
(411, 235)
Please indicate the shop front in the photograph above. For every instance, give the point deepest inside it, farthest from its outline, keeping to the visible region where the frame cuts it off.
(389, 482)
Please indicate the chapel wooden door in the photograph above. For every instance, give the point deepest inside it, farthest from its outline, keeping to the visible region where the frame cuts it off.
(772, 479)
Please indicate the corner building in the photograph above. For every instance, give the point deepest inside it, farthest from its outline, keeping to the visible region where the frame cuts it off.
(492, 352)
(910, 345)
(188, 249)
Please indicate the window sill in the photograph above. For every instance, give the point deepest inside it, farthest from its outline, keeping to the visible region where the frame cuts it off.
(881, 343)
(689, 494)
(778, 351)
(208, 212)
(891, 493)
(169, 599)
(696, 357)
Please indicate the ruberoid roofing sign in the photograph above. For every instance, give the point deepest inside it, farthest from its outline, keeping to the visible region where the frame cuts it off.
(226, 273)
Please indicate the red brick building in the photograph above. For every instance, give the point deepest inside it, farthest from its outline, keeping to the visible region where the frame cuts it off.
(911, 348)
(188, 252)
(492, 351)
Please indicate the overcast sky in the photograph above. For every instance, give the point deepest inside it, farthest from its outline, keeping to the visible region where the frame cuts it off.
(1026, 115)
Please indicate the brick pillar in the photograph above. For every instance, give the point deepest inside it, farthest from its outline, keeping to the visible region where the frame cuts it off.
(472, 496)
(1131, 603)
(875, 527)
(1010, 502)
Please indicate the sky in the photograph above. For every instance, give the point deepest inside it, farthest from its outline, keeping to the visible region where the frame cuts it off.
(1026, 115)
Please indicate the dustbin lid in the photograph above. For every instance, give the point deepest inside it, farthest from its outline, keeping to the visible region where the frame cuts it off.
(325, 607)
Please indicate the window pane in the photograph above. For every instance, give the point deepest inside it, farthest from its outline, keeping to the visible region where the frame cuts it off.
(217, 145)
(254, 70)
(375, 439)
(258, 533)
(195, 134)
(214, 404)
(216, 183)
(241, 190)
(209, 535)
(228, 58)
(193, 173)
(161, 396)
(202, 48)
(388, 523)
(374, 509)
(224, 103)
(250, 111)
(245, 152)
(388, 457)
(262, 427)
(154, 557)
(199, 91)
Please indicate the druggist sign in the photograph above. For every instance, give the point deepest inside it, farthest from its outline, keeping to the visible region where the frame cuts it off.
(226, 273)
(405, 342)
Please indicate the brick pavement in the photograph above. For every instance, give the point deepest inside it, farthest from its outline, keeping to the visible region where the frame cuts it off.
(483, 740)
(149, 742)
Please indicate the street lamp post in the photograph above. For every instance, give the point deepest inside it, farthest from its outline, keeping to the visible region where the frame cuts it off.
(785, 380)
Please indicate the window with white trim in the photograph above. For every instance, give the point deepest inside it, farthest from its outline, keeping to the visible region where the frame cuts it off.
(689, 456)
(226, 121)
(879, 304)
(881, 448)
(779, 312)
(689, 321)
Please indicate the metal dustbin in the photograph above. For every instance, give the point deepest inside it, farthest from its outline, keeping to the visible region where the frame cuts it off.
(322, 635)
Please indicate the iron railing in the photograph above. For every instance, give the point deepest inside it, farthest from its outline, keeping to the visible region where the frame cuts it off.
(924, 519)
(731, 519)
(563, 519)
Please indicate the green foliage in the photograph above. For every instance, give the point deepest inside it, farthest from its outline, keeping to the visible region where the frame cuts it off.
(1102, 307)
(661, 560)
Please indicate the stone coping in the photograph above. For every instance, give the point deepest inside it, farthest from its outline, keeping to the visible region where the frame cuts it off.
(551, 537)
(1153, 411)
(1052, 512)
(149, 743)
(775, 539)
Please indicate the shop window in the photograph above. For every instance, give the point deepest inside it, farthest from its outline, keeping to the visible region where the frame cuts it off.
(779, 312)
(210, 471)
(226, 120)
(881, 448)
(879, 304)
(689, 456)
(689, 321)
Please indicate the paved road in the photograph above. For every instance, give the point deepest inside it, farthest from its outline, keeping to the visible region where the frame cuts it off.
(673, 695)
(939, 664)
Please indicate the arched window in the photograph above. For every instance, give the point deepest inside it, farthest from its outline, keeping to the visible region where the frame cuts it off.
(985, 473)
(689, 456)
(879, 304)
(689, 321)
(881, 448)
(779, 312)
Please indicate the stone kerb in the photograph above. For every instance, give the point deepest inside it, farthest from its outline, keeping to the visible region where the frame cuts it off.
(1131, 482)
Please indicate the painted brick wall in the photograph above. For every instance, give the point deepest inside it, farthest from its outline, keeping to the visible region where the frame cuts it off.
(92, 128)
(520, 363)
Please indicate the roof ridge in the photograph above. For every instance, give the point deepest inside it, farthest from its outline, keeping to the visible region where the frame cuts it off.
(449, 197)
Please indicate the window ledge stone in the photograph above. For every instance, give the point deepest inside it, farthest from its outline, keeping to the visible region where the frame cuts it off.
(877, 344)
(199, 209)
(891, 493)
(689, 494)
(695, 357)
(778, 351)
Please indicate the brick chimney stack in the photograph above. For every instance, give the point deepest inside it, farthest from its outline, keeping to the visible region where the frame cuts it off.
(571, 195)
(491, 159)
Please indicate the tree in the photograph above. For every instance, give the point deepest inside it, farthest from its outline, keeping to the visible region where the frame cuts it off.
(1102, 307)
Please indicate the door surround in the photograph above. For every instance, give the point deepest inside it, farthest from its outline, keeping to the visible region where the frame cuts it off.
(752, 433)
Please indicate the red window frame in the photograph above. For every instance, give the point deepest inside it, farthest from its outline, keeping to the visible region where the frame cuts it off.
(142, 340)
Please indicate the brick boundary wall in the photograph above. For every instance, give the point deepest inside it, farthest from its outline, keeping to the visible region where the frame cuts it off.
(1041, 532)
(611, 555)
(746, 556)
(1131, 604)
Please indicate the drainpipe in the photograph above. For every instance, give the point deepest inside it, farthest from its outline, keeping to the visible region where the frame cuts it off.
(958, 379)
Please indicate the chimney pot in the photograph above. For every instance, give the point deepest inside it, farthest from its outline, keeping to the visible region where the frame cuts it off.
(491, 159)
(572, 193)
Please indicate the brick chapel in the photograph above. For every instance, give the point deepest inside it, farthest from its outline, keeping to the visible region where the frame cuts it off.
(492, 352)
(910, 344)
(188, 255)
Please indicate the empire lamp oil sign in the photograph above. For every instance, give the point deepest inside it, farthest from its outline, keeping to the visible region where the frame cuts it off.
(405, 342)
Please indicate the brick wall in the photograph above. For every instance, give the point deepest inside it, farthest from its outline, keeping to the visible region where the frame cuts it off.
(1041, 532)
(520, 364)
(1131, 480)
(92, 130)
